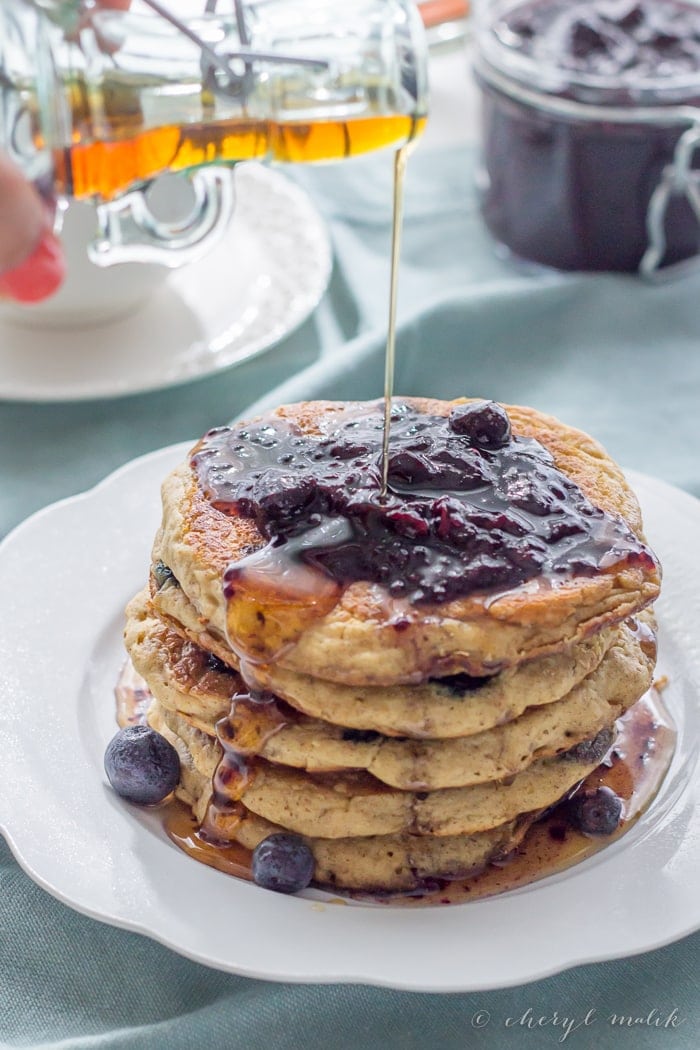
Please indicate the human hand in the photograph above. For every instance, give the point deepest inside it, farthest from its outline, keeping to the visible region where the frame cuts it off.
(31, 261)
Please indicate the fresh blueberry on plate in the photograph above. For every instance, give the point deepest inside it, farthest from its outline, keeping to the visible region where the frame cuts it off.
(141, 765)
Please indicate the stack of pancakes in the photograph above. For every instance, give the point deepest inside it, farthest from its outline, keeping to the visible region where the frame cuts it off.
(403, 742)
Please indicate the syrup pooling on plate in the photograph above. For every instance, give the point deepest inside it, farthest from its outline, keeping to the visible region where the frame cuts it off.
(469, 508)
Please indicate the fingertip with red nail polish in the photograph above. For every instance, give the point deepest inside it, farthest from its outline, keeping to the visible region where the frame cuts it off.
(39, 276)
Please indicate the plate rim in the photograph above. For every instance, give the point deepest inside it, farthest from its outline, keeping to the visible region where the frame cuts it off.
(157, 459)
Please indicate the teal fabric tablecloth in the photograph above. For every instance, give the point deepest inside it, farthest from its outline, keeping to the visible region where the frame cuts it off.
(612, 355)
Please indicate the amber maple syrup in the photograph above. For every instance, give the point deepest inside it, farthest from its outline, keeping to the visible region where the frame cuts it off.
(182, 829)
(129, 155)
(275, 588)
(242, 735)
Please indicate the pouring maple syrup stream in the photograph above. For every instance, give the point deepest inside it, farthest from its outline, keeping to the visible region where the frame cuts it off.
(400, 160)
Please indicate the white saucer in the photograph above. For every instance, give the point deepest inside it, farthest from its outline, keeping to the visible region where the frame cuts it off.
(257, 285)
(61, 649)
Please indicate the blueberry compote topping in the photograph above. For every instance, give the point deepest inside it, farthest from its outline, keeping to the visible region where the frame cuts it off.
(469, 507)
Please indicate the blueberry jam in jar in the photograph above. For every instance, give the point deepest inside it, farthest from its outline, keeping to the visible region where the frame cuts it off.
(584, 103)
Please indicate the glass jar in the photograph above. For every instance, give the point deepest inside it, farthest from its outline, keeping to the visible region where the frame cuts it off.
(591, 121)
(96, 102)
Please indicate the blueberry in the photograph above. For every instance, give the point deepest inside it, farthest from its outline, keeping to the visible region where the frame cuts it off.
(283, 862)
(485, 423)
(408, 468)
(630, 17)
(563, 529)
(214, 663)
(349, 450)
(526, 494)
(408, 523)
(462, 683)
(162, 574)
(141, 765)
(594, 750)
(597, 812)
(287, 497)
(587, 39)
(360, 736)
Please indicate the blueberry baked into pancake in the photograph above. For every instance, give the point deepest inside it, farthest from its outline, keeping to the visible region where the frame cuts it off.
(383, 683)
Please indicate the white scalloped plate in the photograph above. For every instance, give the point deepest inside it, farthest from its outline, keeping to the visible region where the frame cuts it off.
(256, 286)
(65, 575)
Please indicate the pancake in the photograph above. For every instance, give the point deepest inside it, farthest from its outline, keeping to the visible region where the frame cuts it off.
(281, 735)
(370, 637)
(184, 676)
(381, 863)
(438, 708)
(348, 805)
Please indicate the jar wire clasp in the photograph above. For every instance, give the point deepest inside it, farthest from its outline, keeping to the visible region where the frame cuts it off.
(677, 179)
(236, 66)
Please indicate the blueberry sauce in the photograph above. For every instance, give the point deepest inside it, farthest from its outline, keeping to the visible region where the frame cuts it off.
(573, 191)
(469, 508)
(631, 40)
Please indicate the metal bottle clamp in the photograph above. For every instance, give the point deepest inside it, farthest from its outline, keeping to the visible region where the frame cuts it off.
(236, 82)
(127, 229)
